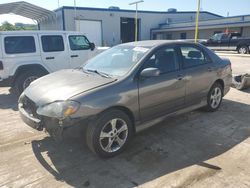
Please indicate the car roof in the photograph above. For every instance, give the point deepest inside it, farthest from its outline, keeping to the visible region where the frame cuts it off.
(153, 43)
(38, 32)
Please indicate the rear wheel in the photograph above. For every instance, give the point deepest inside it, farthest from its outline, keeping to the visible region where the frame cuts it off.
(25, 79)
(243, 50)
(110, 133)
(214, 97)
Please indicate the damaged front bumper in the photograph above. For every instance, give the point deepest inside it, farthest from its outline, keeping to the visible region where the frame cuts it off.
(27, 109)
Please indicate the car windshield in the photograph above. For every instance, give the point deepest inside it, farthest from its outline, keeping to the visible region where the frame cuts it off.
(116, 61)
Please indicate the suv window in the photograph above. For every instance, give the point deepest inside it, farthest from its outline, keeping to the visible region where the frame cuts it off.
(19, 44)
(165, 59)
(52, 43)
(192, 56)
(78, 42)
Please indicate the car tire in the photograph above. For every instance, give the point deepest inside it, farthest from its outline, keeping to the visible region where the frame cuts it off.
(214, 97)
(109, 134)
(243, 50)
(24, 79)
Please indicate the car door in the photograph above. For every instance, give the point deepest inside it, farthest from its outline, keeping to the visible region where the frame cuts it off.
(199, 72)
(224, 43)
(79, 50)
(54, 51)
(214, 42)
(164, 93)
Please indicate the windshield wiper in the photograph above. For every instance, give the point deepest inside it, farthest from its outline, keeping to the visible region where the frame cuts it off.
(98, 72)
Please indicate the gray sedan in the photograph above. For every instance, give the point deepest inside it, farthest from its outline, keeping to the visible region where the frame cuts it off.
(126, 89)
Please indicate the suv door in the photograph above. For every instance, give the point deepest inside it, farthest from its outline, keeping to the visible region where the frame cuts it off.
(165, 93)
(79, 48)
(54, 51)
(199, 72)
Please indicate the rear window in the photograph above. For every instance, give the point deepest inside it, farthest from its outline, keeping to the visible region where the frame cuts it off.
(19, 44)
(52, 43)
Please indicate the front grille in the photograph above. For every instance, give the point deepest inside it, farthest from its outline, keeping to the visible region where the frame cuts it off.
(30, 107)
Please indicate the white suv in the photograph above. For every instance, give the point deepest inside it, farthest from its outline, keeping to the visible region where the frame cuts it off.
(28, 55)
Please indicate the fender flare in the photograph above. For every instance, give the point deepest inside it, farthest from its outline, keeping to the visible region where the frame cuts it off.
(28, 67)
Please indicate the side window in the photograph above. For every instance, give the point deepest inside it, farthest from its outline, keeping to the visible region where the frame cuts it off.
(78, 42)
(165, 59)
(192, 56)
(19, 44)
(224, 37)
(52, 43)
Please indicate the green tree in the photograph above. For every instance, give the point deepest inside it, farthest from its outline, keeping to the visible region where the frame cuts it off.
(6, 26)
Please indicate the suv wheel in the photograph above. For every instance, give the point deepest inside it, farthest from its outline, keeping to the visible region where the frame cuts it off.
(109, 134)
(25, 79)
(243, 50)
(214, 97)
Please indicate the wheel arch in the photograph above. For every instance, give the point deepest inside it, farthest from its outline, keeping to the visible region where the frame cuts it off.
(221, 82)
(29, 67)
(241, 45)
(124, 109)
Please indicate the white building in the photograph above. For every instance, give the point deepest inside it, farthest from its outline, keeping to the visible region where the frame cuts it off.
(111, 26)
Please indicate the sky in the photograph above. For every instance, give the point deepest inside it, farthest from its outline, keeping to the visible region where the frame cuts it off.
(221, 7)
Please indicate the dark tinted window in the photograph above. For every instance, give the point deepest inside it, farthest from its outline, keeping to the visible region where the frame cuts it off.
(183, 35)
(52, 43)
(192, 56)
(165, 59)
(78, 42)
(19, 44)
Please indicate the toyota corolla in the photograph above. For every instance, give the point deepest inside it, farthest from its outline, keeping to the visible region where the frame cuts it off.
(126, 89)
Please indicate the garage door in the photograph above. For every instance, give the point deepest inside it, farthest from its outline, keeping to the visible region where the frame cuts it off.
(92, 29)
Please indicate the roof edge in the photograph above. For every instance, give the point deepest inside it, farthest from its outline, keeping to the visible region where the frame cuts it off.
(128, 10)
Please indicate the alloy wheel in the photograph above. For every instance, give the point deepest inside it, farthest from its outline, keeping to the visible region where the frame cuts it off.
(216, 97)
(243, 50)
(113, 135)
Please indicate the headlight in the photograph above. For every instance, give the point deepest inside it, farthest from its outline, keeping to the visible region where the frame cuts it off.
(59, 109)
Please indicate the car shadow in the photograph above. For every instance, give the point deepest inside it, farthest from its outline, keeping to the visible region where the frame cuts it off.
(8, 100)
(176, 143)
(246, 90)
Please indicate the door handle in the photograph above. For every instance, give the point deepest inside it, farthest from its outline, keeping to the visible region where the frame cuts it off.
(74, 56)
(180, 77)
(209, 69)
(50, 57)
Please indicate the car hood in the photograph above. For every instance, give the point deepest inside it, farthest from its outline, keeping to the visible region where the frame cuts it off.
(62, 85)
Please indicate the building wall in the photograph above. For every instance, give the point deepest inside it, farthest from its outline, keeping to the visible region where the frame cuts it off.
(246, 32)
(111, 21)
(53, 24)
(203, 33)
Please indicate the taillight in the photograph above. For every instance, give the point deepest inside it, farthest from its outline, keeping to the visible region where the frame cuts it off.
(1, 65)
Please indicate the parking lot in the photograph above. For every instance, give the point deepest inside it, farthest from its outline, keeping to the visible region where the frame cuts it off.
(197, 149)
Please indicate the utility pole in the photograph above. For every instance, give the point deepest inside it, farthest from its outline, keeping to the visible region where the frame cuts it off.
(136, 17)
(75, 8)
(197, 22)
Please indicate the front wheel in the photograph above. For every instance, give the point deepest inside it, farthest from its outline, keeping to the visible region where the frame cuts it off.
(110, 133)
(214, 97)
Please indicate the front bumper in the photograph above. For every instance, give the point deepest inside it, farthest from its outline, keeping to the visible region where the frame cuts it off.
(33, 122)
(27, 109)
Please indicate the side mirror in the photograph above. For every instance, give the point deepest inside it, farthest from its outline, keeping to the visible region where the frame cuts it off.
(92, 46)
(150, 72)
